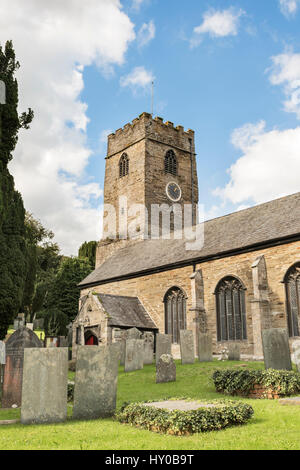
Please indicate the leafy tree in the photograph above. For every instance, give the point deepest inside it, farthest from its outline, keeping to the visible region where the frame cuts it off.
(88, 250)
(12, 213)
(42, 263)
(55, 323)
(64, 293)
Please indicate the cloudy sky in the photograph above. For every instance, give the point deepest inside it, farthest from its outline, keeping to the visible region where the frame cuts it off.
(228, 70)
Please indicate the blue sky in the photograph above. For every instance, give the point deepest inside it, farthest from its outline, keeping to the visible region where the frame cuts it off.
(230, 70)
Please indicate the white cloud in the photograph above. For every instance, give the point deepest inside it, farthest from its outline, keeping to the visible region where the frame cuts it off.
(136, 4)
(54, 41)
(286, 72)
(139, 78)
(217, 24)
(269, 167)
(289, 7)
(146, 33)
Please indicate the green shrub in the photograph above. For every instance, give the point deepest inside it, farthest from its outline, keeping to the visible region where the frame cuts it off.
(241, 382)
(178, 422)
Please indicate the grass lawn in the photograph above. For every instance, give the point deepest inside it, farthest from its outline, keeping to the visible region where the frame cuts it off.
(273, 426)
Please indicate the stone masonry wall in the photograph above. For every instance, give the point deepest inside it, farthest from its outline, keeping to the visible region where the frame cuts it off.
(151, 289)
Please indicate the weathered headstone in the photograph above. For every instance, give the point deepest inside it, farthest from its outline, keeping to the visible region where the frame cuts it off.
(29, 326)
(134, 355)
(296, 354)
(163, 346)
(205, 347)
(63, 341)
(234, 352)
(2, 364)
(38, 324)
(132, 333)
(45, 383)
(165, 369)
(187, 349)
(15, 345)
(276, 349)
(96, 381)
(2, 352)
(148, 348)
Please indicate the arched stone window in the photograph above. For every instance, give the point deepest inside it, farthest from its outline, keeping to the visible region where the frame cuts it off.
(292, 289)
(231, 310)
(123, 165)
(175, 312)
(171, 163)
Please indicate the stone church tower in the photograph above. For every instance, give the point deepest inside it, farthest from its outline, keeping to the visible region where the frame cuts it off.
(150, 171)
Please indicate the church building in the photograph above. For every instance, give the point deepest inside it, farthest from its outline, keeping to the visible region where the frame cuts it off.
(242, 277)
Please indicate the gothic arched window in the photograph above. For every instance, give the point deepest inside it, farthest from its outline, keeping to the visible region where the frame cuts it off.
(171, 163)
(175, 312)
(123, 165)
(292, 288)
(231, 310)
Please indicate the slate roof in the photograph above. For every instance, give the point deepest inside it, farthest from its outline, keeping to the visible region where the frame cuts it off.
(126, 311)
(271, 222)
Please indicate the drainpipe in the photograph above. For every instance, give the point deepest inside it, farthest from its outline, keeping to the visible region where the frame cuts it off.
(192, 180)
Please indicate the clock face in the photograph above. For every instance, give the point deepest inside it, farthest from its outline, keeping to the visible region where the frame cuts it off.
(173, 192)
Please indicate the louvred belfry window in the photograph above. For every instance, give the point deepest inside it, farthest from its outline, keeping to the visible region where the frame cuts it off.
(171, 163)
(292, 286)
(231, 310)
(175, 312)
(123, 165)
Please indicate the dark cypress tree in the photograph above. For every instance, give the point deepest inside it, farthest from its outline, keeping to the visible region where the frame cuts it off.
(12, 213)
(88, 250)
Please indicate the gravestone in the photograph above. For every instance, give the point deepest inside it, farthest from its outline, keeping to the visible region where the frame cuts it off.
(187, 350)
(38, 324)
(234, 352)
(148, 348)
(205, 347)
(18, 323)
(276, 349)
(163, 345)
(45, 384)
(63, 341)
(29, 326)
(96, 379)
(165, 369)
(132, 333)
(2, 353)
(2, 364)
(296, 354)
(12, 383)
(134, 355)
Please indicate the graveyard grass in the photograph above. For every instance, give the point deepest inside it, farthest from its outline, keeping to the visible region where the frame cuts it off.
(273, 426)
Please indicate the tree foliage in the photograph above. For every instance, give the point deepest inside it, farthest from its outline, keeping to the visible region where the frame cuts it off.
(64, 292)
(55, 323)
(88, 250)
(13, 266)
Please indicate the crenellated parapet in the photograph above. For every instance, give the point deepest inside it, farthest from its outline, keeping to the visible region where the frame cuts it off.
(147, 127)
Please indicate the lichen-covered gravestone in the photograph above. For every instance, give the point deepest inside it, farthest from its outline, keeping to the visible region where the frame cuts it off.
(205, 347)
(165, 369)
(12, 383)
(234, 352)
(163, 345)
(187, 350)
(134, 355)
(96, 380)
(148, 348)
(276, 349)
(45, 384)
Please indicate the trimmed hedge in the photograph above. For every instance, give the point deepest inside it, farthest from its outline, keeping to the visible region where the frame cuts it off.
(176, 422)
(242, 382)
